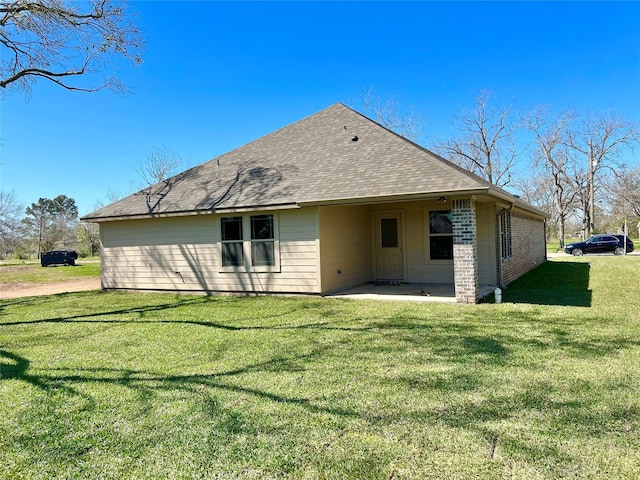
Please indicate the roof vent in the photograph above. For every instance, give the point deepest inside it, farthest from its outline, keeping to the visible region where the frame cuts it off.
(354, 139)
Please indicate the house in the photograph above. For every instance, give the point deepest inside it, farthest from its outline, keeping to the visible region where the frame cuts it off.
(332, 201)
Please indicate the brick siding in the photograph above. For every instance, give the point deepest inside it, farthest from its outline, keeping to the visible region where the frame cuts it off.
(465, 251)
(528, 246)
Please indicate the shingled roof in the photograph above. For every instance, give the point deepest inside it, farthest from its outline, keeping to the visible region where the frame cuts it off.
(334, 156)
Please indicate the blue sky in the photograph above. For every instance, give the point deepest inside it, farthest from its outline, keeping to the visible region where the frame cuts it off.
(217, 75)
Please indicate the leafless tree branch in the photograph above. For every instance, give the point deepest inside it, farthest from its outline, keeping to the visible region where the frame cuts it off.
(388, 114)
(160, 164)
(600, 139)
(485, 143)
(58, 40)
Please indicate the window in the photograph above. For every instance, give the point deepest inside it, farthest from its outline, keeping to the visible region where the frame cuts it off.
(262, 241)
(505, 235)
(389, 232)
(440, 235)
(232, 255)
(249, 242)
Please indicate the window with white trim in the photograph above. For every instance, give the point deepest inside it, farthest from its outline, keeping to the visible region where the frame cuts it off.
(505, 235)
(249, 242)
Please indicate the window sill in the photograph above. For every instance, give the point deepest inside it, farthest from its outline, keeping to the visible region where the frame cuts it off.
(245, 270)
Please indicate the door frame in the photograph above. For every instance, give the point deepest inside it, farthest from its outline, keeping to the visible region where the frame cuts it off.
(376, 216)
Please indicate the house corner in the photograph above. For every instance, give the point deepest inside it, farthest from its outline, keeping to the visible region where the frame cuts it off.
(465, 251)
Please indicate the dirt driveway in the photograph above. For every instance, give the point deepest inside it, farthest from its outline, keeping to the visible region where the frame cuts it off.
(17, 290)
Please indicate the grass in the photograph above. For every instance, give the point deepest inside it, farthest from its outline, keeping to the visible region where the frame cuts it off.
(121, 385)
(34, 273)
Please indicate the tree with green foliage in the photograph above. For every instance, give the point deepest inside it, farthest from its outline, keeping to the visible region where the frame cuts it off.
(88, 235)
(51, 223)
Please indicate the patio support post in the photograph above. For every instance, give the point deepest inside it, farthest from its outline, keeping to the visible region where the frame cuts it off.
(465, 250)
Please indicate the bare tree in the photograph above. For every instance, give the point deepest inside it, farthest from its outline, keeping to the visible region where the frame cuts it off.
(537, 190)
(387, 113)
(485, 144)
(625, 196)
(160, 164)
(115, 194)
(10, 213)
(58, 40)
(601, 140)
(552, 159)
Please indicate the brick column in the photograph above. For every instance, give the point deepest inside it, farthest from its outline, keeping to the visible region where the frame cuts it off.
(465, 250)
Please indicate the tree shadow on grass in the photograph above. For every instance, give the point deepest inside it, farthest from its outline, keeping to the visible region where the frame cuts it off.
(552, 283)
(16, 367)
(474, 402)
(149, 313)
(460, 334)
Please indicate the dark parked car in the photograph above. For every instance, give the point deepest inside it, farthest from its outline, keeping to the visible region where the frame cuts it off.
(58, 257)
(604, 243)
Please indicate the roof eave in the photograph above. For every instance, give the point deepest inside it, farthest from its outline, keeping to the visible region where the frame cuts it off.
(500, 194)
(376, 199)
(188, 213)
(393, 198)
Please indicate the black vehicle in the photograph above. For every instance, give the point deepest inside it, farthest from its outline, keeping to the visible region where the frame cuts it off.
(58, 257)
(604, 243)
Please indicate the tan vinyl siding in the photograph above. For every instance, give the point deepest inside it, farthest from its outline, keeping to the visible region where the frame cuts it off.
(182, 253)
(420, 267)
(485, 225)
(157, 253)
(345, 246)
(321, 249)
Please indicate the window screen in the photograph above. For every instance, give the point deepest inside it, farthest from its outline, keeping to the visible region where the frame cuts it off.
(505, 234)
(262, 241)
(232, 255)
(440, 235)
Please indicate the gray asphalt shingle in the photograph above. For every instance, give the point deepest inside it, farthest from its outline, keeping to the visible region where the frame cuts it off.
(313, 160)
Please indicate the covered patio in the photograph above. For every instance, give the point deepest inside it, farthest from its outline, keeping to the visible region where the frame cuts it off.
(407, 292)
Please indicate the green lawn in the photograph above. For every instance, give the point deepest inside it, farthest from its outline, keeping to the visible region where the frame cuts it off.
(34, 273)
(121, 385)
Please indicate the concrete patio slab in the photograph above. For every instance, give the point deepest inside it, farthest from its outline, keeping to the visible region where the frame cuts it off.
(406, 292)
